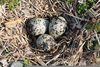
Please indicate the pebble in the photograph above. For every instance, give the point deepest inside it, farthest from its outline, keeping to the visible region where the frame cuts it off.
(16, 64)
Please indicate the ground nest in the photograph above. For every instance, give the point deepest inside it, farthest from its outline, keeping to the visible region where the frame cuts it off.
(73, 48)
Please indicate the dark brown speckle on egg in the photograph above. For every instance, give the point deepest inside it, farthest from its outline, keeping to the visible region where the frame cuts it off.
(57, 27)
(45, 42)
(38, 26)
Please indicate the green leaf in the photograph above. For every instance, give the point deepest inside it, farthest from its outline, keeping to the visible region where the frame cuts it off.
(16, 2)
(4, 51)
(2, 2)
(79, 11)
(97, 27)
(12, 8)
(86, 14)
(68, 3)
(26, 62)
(95, 47)
(96, 44)
(9, 50)
(90, 26)
(93, 3)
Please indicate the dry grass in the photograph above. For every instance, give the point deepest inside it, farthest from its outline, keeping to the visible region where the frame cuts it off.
(14, 36)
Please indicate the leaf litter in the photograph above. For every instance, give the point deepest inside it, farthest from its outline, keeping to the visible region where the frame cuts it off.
(71, 49)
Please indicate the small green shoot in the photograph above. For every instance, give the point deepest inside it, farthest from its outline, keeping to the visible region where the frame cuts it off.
(7, 51)
(85, 6)
(69, 1)
(97, 27)
(95, 43)
(26, 62)
(89, 26)
(82, 8)
(11, 3)
(65, 64)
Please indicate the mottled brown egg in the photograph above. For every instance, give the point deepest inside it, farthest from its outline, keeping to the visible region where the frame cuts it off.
(45, 42)
(37, 26)
(57, 27)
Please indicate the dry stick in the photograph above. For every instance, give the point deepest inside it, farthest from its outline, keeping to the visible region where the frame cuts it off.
(56, 63)
(60, 4)
(78, 51)
(60, 62)
(77, 17)
(34, 62)
(53, 58)
(56, 56)
(41, 62)
(52, 7)
(97, 37)
(31, 3)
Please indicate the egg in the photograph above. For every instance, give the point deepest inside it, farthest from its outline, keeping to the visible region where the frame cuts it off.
(37, 26)
(57, 27)
(45, 42)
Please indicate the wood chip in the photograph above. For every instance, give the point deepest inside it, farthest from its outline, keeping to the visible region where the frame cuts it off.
(13, 23)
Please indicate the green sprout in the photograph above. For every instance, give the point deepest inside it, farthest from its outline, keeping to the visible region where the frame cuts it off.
(89, 26)
(91, 2)
(65, 64)
(85, 6)
(11, 3)
(26, 62)
(7, 51)
(69, 1)
(97, 27)
(82, 8)
(96, 44)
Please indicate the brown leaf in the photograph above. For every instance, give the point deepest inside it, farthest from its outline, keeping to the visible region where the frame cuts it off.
(13, 23)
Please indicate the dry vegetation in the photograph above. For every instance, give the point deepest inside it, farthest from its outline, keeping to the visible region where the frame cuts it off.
(72, 48)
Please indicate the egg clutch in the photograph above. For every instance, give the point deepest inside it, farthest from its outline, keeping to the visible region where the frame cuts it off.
(39, 26)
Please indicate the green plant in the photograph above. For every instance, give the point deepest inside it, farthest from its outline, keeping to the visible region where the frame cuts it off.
(11, 3)
(97, 27)
(85, 6)
(82, 8)
(65, 64)
(26, 62)
(7, 50)
(91, 2)
(89, 26)
(68, 2)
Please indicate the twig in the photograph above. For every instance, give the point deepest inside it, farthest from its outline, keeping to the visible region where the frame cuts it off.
(77, 17)
(41, 62)
(97, 37)
(53, 58)
(79, 50)
(34, 62)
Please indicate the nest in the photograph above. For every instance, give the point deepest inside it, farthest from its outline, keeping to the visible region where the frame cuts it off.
(69, 50)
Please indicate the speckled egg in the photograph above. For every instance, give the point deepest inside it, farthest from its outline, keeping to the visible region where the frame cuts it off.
(37, 26)
(45, 42)
(57, 27)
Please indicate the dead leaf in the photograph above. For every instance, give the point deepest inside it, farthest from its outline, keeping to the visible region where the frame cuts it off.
(13, 23)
